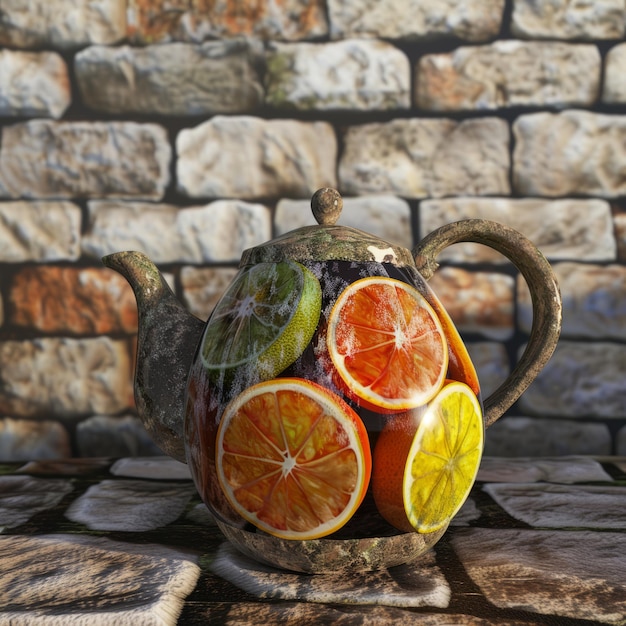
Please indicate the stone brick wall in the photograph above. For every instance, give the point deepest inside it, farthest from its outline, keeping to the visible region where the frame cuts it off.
(193, 130)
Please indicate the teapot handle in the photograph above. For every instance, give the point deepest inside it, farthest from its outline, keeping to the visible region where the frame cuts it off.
(544, 291)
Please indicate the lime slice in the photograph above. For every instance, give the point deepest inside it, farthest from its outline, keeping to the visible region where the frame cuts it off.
(263, 322)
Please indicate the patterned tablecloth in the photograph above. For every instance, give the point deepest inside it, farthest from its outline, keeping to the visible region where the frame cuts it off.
(98, 541)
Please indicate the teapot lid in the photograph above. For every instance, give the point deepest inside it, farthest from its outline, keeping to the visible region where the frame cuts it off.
(327, 241)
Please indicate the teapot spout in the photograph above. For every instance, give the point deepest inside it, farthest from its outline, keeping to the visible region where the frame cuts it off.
(166, 343)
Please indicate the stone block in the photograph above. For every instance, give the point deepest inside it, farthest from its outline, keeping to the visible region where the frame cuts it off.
(64, 377)
(517, 567)
(614, 91)
(594, 301)
(477, 302)
(562, 506)
(569, 153)
(621, 441)
(248, 157)
(157, 21)
(72, 300)
(582, 380)
(154, 468)
(472, 20)
(80, 576)
(46, 159)
(491, 362)
(33, 84)
(542, 437)
(171, 79)
(619, 219)
(115, 437)
(387, 217)
(61, 24)
(27, 440)
(417, 158)
(362, 75)
(567, 19)
(561, 229)
(23, 497)
(563, 469)
(204, 286)
(130, 505)
(216, 232)
(507, 74)
(39, 231)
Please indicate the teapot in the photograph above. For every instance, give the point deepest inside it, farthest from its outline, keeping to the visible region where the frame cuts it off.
(328, 409)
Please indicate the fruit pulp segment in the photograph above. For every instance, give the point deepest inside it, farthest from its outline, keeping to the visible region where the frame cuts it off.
(252, 313)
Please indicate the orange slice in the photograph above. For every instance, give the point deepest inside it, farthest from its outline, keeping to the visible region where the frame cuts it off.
(426, 461)
(293, 458)
(387, 345)
(460, 366)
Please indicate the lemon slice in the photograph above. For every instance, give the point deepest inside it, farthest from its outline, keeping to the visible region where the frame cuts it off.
(263, 322)
(293, 458)
(426, 460)
(444, 458)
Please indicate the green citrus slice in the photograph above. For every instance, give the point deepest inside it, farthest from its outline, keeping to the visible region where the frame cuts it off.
(444, 457)
(265, 320)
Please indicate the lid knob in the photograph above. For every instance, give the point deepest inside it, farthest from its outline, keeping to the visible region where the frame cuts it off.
(326, 205)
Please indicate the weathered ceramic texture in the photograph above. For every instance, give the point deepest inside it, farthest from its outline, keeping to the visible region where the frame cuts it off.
(166, 343)
(316, 556)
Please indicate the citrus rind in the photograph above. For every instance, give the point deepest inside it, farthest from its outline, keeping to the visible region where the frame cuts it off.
(460, 366)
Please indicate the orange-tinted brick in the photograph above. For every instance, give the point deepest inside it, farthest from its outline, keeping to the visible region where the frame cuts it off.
(79, 301)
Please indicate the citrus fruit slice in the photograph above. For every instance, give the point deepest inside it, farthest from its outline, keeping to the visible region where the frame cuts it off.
(426, 461)
(293, 458)
(264, 320)
(460, 366)
(386, 344)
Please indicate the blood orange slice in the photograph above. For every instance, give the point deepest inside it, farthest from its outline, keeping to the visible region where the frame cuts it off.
(293, 458)
(387, 345)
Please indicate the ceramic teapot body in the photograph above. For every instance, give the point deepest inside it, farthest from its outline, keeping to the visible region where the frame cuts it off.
(326, 342)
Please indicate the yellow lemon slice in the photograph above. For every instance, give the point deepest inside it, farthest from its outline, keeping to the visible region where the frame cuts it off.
(421, 485)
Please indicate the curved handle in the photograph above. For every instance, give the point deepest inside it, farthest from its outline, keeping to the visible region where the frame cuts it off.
(544, 291)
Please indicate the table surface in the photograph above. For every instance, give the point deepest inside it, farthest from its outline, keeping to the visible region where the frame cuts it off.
(128, 541)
